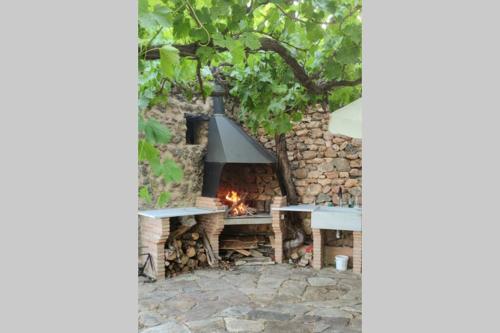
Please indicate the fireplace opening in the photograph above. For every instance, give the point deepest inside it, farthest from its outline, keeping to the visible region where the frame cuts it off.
(248, 190)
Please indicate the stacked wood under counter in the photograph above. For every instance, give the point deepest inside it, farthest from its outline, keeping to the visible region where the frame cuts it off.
(155, 225)
(318, 235)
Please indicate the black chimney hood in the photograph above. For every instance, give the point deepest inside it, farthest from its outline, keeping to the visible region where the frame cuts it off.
(228, 143)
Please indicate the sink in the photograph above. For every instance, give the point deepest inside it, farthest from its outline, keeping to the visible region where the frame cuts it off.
(336, 218)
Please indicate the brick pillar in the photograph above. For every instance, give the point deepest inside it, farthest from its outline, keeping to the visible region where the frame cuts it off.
(278, 225)
(153, 234)
(213, 224)
(357, 251)
(317, 248)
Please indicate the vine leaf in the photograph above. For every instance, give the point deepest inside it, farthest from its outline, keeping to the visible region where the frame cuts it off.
(169, 59)
(147, 152)
(144, 194)
(162, 199)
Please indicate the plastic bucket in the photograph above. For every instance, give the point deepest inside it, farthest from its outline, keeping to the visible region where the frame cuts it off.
(341, 262)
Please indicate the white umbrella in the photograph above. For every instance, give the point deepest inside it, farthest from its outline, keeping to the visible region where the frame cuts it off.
(347, 120)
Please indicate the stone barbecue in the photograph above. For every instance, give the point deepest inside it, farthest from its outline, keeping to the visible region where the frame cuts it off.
(233, 173)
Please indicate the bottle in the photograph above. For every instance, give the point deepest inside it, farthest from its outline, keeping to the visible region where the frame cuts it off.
(340, 197)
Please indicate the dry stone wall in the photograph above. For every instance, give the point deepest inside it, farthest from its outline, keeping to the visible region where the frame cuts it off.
(322, 163)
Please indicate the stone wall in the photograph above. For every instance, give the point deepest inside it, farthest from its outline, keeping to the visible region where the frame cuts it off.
(321, 162)
(188, 156)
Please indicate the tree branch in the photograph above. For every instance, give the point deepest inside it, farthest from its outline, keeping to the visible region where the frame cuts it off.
(272, 45)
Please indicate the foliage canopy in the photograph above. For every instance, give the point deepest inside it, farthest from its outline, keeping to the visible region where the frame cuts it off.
(274, 57)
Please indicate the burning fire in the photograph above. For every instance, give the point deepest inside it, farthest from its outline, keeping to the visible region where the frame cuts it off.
(237, 206)
(233, 196)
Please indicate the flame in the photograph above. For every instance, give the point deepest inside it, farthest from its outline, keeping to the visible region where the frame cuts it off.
(233, 196)
(241, 208)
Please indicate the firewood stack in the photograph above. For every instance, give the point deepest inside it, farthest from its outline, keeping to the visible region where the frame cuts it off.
(301, 256)
(246, 250)
(186, 249)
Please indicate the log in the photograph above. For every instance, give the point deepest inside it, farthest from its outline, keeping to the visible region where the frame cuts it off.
(170, 254)
(179, 231)
(212, 259)
(195, 236)
(243, 252)
(236, 244)
(184, 260)
(190, 251)
(202, 257)
(256, 253)
(192, 263)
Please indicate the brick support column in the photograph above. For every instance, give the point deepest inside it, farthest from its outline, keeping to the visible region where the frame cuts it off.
(357, 251)
(213, 224)
(317, 248)
(278, 225)
(153, 234)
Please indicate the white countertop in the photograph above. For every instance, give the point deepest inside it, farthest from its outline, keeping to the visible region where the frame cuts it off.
(181, 211)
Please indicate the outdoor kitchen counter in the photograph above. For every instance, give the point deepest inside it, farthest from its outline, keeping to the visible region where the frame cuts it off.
(154, 229)
(177, 212)
(332, 218)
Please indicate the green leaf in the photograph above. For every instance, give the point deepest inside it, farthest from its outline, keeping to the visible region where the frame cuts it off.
(276, 106)
(237, 50)
(147, 152)
(354, 32)
(250, 40)
(162, 199)
(348, 53)
(219, 40)
(205, 53)
(314, 32)
(296, 116)
(156, 132)
(279, 88)
(144, 194)
(171, 171)
(162, 16)
(332, 69)
(186, 71)
(181, 27)
(169, 59)
(143, 7)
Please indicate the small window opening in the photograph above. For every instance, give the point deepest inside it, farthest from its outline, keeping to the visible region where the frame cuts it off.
(196, 129)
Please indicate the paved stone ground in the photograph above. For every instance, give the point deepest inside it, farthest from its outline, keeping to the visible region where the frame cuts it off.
(273, 298)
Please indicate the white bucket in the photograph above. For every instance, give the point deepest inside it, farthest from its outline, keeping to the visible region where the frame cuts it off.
(341, 262)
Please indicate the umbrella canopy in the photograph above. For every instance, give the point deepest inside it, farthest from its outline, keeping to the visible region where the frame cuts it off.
(347, 120)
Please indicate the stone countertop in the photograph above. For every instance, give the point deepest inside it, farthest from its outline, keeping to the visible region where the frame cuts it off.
(174, 212)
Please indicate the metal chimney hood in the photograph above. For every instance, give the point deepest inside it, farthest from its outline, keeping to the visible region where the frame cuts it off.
(228, 143)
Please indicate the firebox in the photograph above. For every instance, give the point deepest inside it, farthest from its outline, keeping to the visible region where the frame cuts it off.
(238, 171)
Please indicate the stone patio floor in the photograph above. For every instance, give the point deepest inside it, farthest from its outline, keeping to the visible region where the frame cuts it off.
(272, 298)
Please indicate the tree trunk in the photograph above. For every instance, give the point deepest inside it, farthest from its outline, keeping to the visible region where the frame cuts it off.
(286, 183)
(284, 170)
